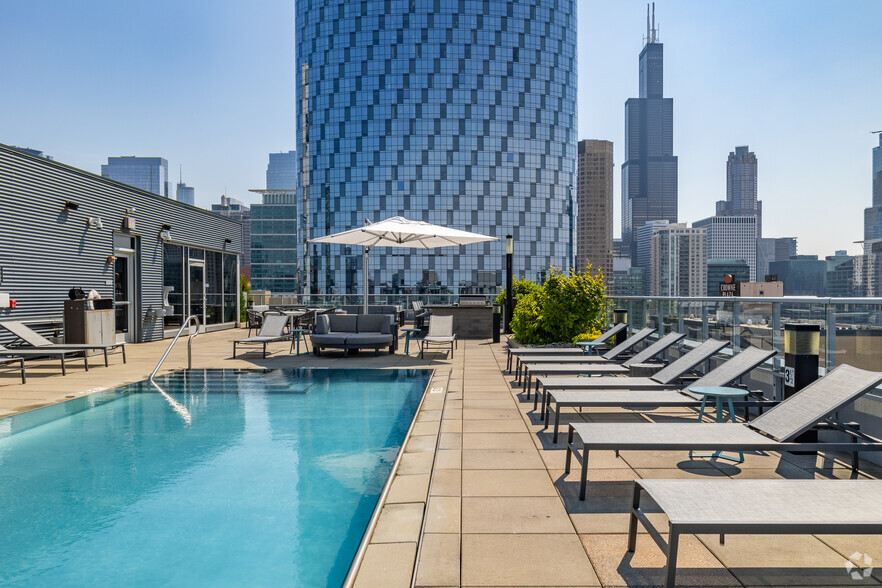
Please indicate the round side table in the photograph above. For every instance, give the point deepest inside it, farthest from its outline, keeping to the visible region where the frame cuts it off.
(718, 394)
(407, 333)
(588, 346)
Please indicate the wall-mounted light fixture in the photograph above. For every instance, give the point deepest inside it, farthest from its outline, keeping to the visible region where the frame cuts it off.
(70, 205)
(227, 240)
(165, 234)
(166, 227)
(111, 259)
(95, 222)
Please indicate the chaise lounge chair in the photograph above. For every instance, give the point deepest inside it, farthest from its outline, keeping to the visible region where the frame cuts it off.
(665, 379)
(440, 333)
(518, 351)
(21, 354)
(551, 366)
(21, 364)
(774, 430)
(617, 354)
(755, 507)
(729, 371)
(37, 341)
(272, 330)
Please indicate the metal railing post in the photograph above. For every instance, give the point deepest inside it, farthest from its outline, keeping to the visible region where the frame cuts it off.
(705, 335)
(830, 343)
(736, 327)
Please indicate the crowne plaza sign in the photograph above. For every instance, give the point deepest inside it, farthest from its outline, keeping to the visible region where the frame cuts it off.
(729, 287)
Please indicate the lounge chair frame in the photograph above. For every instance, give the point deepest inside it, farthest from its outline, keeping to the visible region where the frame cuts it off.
(774, 430)
(790, 507)
(34, 340)
(269, 320)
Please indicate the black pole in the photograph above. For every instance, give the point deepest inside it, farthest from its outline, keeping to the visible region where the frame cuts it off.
(509, 294)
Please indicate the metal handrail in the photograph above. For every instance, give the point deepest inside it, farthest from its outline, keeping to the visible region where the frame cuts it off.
(175, 405)
(175, 340)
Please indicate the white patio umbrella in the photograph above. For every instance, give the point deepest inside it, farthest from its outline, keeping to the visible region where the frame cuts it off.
(400, 232)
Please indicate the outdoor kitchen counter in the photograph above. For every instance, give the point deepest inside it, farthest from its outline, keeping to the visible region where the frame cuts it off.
(469, 322)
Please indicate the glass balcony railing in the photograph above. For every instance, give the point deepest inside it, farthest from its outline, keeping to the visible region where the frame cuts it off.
(851, 328)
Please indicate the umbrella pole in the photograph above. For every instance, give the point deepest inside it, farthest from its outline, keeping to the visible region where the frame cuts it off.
(364, 267)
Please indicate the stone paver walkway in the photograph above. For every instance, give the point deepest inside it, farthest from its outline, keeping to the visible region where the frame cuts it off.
(480, 497)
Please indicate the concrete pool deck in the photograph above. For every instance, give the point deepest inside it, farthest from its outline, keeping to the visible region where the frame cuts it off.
(480, 498)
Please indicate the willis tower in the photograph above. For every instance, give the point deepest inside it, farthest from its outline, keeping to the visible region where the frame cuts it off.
(649, 174)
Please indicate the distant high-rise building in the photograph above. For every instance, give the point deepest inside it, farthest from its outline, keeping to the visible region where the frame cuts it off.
(30, 151)
(641, 256)
(236, 210)
(769, 249)
(679, 261)
(741, 187)
(873, 215)
(718, 269)
(840, 275)
(275, 229)
(281, 172)
(146, 173)
(274, 264)
(185, 194)
(594, 197)
(803, 275)
(732, 237)
(460, 114)
(649, 174)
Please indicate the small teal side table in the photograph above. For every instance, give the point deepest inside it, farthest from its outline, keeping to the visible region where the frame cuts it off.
(407, 333)
(588, 346)
(718, 393)
(297, 333)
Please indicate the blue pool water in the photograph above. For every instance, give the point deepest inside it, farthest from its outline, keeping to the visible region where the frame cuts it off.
(272, 482)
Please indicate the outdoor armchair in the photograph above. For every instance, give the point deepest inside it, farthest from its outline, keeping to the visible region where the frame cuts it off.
(440, 333)
(272, 330)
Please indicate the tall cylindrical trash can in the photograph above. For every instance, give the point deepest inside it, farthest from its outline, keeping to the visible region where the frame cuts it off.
(802, 345)
(620, 315)
(497, 323)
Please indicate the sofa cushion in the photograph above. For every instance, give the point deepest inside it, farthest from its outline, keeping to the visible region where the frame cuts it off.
(322, 324)
(374, 323)
(353, 339)
(346, 323)
(329, 339)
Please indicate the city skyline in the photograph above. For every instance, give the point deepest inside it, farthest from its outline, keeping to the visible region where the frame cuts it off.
(210, 86)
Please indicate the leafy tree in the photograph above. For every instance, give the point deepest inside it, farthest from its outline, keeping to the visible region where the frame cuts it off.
(566, 307)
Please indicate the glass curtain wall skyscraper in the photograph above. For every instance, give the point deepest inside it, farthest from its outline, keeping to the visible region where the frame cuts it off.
(146, 173)
(455, 113)
(274, 227)
(649, 174)
(741, 187)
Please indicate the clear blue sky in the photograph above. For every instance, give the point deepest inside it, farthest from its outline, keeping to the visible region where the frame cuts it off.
(209, 85)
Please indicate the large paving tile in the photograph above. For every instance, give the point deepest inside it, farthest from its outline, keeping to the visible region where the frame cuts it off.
(514, 515)
(413, 488)
(491, 413)
(443, 514)
(864, 551)
(525, 560)
(507, 483)
(389, 564)
(500, 459)
(439, 563)
(494, 426)
(448, 459)
(450, 441)
(446, 483)
(501, 402)
(416, 463)
(662, 459)
(399, 523)
(696, 566)
(780, 560)
(420, 444)
(497, 441)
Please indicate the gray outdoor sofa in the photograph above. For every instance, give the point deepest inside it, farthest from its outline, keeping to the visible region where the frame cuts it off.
(354, 331)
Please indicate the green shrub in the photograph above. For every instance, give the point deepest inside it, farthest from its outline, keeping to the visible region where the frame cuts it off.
(520, 287)
(588, 335)
(244, 290)
(562, 309)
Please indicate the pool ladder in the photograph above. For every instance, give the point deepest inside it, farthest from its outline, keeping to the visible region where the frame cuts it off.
(175, 405)
(186, 324)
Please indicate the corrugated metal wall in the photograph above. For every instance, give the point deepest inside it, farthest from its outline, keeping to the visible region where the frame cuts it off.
(46, 249)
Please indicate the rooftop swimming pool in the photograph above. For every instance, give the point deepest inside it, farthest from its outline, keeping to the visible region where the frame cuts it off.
(230, 478)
